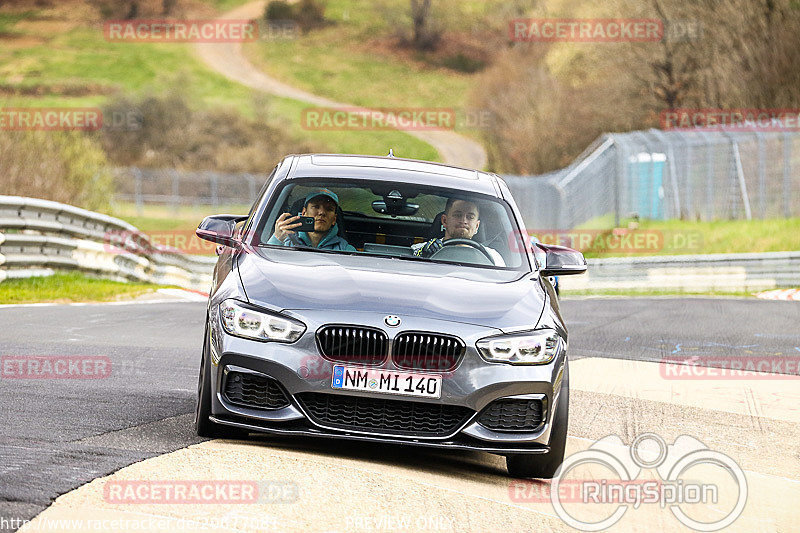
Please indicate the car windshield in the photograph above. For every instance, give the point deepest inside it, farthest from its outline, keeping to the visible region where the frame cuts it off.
(393, 220)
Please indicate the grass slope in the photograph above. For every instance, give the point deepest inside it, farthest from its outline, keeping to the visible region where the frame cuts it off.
(79, 58)
(683, 237)
(69, 287)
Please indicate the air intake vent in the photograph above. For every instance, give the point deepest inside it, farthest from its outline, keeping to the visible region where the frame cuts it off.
(254, 390)
(353, 344)
(379, 415)
(512, 415)
(429, 352)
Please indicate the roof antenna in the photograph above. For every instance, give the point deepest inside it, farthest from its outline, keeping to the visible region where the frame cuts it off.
(391, 153)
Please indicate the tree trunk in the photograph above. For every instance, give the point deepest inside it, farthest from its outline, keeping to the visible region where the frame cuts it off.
(420, 12)
(168, 6)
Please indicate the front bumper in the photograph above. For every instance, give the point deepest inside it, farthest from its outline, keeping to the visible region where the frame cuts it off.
(299, 369)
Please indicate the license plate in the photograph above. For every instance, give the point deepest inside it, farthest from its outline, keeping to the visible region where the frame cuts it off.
(386, 381)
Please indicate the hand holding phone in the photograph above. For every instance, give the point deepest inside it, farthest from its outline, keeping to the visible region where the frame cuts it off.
(306, 224)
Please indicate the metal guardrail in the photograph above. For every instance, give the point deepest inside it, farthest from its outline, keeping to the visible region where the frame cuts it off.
(724, 272)
(38, 236)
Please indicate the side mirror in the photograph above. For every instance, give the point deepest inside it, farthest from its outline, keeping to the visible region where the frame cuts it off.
(220, 229)
(561, 261)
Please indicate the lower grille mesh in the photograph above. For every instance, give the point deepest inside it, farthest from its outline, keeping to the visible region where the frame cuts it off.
(512, 415)
(395, 417)
(253, 390)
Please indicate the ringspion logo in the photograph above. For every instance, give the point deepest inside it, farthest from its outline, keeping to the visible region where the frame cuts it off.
(686, 477)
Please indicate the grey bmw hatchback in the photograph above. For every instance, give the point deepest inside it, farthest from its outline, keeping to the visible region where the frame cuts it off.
(388, 300)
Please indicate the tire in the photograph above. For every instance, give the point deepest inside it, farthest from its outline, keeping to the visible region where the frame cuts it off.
(202, 425)
(544, 466)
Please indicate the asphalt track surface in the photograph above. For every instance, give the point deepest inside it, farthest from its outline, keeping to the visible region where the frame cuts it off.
(56, 435)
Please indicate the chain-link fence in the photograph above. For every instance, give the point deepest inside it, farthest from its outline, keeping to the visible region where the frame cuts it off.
(697, 175)
(185, 188)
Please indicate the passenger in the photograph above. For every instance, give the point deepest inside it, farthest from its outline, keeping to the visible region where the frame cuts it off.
(461, 220)
(320, 204)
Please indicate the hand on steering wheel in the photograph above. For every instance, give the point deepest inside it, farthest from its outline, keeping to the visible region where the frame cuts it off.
(469, 242)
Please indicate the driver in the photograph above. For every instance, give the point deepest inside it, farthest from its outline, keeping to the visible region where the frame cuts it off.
(461, 220)
(320, 204)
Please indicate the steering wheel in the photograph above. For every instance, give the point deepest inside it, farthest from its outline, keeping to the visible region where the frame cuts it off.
(468, 242)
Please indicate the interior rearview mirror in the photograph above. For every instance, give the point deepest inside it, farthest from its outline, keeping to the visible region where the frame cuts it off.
(394, 209)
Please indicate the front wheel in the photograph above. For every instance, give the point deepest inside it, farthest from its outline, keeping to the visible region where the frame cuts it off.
(202, 425)
(544, 466)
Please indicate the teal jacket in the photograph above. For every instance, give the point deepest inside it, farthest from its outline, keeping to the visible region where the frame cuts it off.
(331, 241)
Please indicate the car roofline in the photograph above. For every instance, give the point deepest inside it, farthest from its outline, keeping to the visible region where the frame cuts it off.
(447, 176)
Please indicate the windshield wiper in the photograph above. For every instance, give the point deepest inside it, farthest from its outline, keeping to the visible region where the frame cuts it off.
(307, 249)
(412, 258)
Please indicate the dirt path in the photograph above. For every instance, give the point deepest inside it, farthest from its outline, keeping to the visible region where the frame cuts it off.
(228, 60)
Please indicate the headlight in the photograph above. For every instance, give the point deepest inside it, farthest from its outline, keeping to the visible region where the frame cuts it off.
(536, 347)
(260, 325)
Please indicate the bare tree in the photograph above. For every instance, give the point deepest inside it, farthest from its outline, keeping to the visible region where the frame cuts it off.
(168, 6)
(424, 36)
(675, 68)
(133, 10)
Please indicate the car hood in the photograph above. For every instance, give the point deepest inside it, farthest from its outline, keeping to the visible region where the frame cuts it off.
(294, 280)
